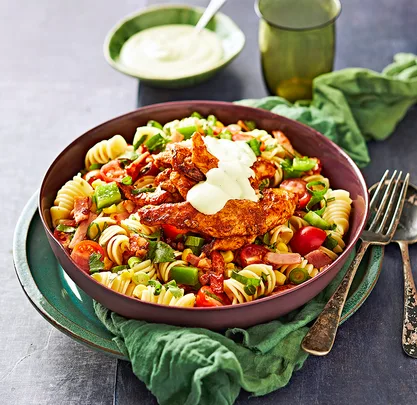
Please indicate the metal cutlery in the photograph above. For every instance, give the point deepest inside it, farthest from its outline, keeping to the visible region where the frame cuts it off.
(385, 207)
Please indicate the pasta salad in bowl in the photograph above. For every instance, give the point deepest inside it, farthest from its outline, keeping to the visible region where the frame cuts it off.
(203, 210)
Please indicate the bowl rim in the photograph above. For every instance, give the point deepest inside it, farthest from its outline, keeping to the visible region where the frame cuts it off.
(220, 105)
(123, 69)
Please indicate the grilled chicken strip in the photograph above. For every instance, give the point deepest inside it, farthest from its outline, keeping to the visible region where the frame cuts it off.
(201, 157)
(263, 170)
(157, 197)
(237, 218)
(232, 243)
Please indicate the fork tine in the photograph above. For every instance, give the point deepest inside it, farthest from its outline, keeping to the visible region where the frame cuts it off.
(375, 196)
(384, 200)
(399, 207)
(388, 210)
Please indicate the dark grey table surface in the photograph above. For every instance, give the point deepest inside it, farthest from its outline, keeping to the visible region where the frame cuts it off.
(55, 84)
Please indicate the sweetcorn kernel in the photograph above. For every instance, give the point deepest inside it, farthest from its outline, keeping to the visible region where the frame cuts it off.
(230, 266)
(110, 210)
(219, 124)
(282, 247)
(280, 277)
(185, 254)
(227, 256)
(97, 182)
(125, 275)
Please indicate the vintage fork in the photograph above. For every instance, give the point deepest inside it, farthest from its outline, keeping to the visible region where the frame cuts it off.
(320, 338)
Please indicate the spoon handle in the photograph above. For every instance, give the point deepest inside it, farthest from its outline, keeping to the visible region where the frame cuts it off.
(211, 9)
(409, 338)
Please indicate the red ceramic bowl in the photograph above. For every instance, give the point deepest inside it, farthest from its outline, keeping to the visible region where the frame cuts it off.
(338, 167)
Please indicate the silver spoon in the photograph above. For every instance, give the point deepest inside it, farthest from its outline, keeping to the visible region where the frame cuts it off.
(405, 235)
(213, 7)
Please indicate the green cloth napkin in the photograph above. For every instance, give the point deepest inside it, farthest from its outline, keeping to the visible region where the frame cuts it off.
(352, 106)
(197, 366)
(190, 366)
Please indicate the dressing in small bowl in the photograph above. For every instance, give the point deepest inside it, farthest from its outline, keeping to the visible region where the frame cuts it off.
(160, 47)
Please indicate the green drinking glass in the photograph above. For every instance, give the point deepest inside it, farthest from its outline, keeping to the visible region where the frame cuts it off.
(297, 44)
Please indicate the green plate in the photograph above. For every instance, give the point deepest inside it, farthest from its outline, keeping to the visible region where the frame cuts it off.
(230, 35)
(70, 310)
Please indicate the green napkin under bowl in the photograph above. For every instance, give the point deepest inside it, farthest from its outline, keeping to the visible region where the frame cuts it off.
(197, 366)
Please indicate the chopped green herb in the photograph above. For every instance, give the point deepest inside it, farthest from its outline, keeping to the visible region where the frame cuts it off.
(95, 166)
(136, 191)
(174, 289)
(255, 145)
(250, 124)
(65, 228)
(154, 124)
(95, 264)
(160, 252)
(127, 180)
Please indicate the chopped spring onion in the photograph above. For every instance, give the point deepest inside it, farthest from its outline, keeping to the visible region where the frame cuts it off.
(212, 120)
(249, 289)
(208, 131)
(157, 142)
(133, 261)
(143, 190)
(184, 275)
(317, 189)
(157, 285)
(95, 166)
(65, 228)
(195, 114)
(187, 131)
(141, 278)
(298, 275)
(303, 164)
(226, 135)
(250, 124)
(154, 124)
(140, 141)
(316, 220)
(118, 268)
(127, 180)
(330, 242)
(255, 146)
(289, 171)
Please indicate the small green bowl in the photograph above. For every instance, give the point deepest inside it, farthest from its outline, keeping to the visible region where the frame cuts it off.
(231, 37)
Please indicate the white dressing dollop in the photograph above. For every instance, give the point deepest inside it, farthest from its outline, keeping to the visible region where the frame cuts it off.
(171, 51)
(230, 181)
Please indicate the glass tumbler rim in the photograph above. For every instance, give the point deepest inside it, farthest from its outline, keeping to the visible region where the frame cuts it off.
(313, 27)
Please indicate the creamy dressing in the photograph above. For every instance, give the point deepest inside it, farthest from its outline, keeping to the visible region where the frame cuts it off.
(230, 181)
(171, 51)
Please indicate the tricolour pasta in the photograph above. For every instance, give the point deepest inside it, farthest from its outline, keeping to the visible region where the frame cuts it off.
(106, 150)
(165, 297)
(235, 290)
(338, 209)
(64, 201)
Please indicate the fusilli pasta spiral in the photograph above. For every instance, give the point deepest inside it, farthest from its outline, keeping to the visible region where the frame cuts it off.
(338, 211)
(165, 268)
(106, 150)
(164, 298)
(117, 282)
(109, 233)
(286, 269)
(64, 201)
(97, 227)
(133, 224)
(146, 267)
(116, 246)
(281, 233)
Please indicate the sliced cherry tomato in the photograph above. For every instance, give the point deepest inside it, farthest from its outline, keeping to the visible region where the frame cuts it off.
(241, 137)
(298, 187)
(112, 171)
(63, 238)
(307, 239)
(171, 232)
(251, 254)
(93, 175)
(82, 252)
(207, 298)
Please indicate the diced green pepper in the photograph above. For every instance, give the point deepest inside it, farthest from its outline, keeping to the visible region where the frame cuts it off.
(255, 145)
(187, 131)
(106, 195)
(184, 275)
(194, 241)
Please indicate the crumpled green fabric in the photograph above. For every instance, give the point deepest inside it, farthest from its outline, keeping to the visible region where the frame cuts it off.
(190, 366)
(354, 105)
(196, 366)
